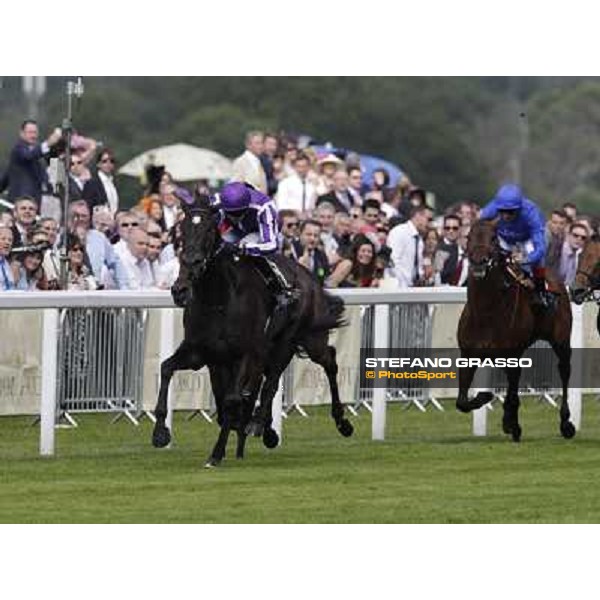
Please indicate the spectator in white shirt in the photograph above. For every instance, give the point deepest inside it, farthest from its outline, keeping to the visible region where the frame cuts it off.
(406, 243)
(135, 262)
(296, 192)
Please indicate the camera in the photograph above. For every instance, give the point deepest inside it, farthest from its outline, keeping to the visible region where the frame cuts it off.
(31, 248)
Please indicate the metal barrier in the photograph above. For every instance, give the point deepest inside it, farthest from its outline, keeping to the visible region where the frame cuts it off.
(378, 299)
(100, 361)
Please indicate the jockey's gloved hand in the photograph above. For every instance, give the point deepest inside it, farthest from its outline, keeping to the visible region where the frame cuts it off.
(232, 249)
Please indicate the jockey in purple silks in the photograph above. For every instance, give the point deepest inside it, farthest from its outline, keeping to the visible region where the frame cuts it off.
(248, 227)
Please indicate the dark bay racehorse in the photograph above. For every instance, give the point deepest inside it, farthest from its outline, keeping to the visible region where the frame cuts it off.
(227, 328)
(499, 319)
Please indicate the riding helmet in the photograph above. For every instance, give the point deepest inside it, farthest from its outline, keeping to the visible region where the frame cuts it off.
(235, 196)
(509, 197)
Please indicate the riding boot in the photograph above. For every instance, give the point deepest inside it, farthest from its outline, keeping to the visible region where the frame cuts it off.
(542, 298)
(286, 295)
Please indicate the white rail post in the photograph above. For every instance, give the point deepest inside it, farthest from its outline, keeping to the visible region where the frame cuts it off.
(480, 416)
(574, 393)
(48, 400)
(480, 421)
(167, 347)
(381, 340)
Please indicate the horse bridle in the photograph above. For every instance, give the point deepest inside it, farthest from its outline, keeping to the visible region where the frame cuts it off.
(196, 215)
(495, 258)
(593, 283)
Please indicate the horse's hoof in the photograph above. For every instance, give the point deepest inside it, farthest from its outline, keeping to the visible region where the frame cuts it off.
(516, 433)
(345, 428)
(567, 430)
(482, 399)
(463, 406)
(161, 437)
(270, 438)
(255, 428)
(212, 463)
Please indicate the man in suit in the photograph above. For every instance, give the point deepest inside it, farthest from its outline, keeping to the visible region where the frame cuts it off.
(306, 252)
(25, 212)
(26, 173)
(571, 252)
(100, 189)
(449, 259)
(76, 178)
(270, 145)
(340, 196)
(247, 168)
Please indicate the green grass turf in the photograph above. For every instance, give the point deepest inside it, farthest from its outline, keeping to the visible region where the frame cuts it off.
(429, 469)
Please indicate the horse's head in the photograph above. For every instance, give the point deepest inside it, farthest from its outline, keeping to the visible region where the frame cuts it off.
(482, 248)
(588, 275)
(198, 240)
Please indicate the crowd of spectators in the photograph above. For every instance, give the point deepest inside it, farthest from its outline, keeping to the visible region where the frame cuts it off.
(348, 232)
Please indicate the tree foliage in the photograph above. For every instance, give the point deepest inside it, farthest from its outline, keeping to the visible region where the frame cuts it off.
(458, 137)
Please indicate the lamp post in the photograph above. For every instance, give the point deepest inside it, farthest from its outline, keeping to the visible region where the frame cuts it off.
(74, 90)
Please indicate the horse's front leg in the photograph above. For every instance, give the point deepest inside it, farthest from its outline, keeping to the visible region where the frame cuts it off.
(465, 379)
(510, 419)
(185, 357)
(563, 352)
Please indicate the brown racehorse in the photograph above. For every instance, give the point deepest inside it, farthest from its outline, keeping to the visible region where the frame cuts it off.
(499, 318)
(587, 278)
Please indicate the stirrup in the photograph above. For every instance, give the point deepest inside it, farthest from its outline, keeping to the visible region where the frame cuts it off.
(287, 297)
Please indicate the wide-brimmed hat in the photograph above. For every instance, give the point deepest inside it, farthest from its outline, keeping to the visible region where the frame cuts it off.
(330, 159)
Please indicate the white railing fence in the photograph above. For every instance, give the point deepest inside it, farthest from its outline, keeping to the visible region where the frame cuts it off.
(52, 302)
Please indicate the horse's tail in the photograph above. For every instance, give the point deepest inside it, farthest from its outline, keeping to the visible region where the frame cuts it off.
(332, 318)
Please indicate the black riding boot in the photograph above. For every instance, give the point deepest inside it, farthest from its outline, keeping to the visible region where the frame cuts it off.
(542, 298)
(286, 295)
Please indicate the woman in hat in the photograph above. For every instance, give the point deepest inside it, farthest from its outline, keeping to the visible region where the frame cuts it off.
(327, 167)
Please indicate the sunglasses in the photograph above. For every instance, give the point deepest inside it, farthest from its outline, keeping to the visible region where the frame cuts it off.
(579, 236)
(129, 224)
(290, 225)
(451, 228)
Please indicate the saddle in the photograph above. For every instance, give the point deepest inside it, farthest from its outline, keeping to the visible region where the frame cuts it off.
(543, 294)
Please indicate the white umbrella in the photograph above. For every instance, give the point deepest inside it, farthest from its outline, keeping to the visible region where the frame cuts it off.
(184, 162)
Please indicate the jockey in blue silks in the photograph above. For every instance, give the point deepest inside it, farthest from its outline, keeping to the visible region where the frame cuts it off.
(521, 228)
(248, 227)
